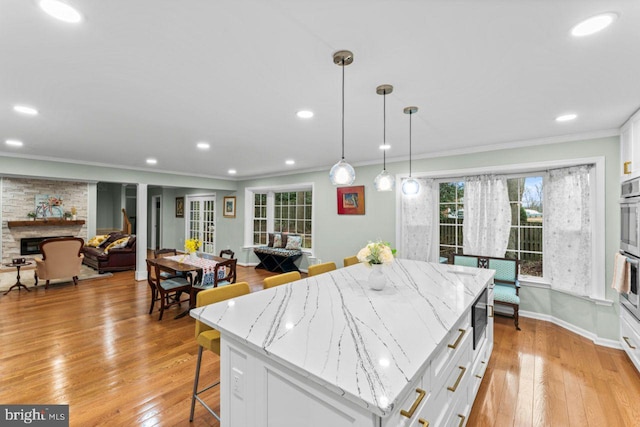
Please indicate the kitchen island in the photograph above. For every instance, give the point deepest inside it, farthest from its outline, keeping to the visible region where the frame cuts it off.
(327, 350)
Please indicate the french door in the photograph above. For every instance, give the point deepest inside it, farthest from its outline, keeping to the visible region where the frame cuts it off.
(200, 224)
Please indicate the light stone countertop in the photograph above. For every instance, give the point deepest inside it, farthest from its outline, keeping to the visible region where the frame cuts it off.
(364, 345)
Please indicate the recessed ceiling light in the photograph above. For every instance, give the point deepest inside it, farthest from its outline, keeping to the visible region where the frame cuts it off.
(232, 171)
(203, 145)
(566, 117)
(14, 142)
(152, 161)
(304, 114)
(385, 146)
(23, 109)
(594, 24)
(60, 10)
(290, 162)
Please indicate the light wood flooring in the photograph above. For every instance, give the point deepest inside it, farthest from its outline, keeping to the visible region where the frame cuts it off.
(95, 348)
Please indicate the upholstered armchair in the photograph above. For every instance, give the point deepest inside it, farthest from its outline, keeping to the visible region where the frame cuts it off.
(61, 258)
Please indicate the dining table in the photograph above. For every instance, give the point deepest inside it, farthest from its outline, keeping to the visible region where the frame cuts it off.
(198, 268)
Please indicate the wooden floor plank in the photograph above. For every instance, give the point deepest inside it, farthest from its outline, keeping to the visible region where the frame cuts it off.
(94, 347)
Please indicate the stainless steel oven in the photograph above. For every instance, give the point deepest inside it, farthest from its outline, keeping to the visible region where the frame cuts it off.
(631, 300)
(630, 217)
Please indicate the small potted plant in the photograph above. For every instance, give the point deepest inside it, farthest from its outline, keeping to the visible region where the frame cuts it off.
(32, 215)
(74, 213)
(67, 215)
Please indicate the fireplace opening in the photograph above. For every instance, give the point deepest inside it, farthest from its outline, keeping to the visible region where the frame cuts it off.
(31, 245)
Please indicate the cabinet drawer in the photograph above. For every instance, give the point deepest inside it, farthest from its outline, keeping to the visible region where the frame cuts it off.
(630, 335)
(407, 412)
(456, 342)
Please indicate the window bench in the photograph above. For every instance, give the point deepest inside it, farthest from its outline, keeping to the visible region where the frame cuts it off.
(279, 260)
(507, 287)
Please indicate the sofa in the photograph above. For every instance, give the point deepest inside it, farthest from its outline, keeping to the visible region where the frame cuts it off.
(115, 259)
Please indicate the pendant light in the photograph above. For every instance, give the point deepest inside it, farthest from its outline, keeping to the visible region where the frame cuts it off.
(384, 181)
(410, 186)
(342, 173)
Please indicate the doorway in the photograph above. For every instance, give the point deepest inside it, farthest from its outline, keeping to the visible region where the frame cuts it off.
(200, 223)
(156, 221)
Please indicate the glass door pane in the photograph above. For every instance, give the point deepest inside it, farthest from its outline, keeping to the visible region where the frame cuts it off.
(201, 223)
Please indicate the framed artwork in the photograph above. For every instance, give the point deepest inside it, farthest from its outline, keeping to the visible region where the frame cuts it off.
(229, 209)
(351, 200)
(49, 206)
(179, 207)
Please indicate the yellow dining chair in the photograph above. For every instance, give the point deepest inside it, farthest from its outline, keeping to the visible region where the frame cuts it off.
(209, 338)
(350, 260)
(281, 279)
(325, 267)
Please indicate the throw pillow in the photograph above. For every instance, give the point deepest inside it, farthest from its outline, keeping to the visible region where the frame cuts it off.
(111, 237)
(120, 243)
(277, 240)
(270, 242)
(95, 241)
(294, 242)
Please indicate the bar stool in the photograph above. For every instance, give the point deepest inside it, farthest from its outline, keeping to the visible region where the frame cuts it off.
(280, 279)
(209, 338)
(325, 267)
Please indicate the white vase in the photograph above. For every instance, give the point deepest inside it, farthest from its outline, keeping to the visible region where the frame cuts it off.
(193, 256)
(377, 279)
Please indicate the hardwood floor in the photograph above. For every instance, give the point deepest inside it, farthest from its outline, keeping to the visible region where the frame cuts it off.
(94, 347)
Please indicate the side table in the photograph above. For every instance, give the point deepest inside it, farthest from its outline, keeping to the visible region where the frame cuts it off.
(18, 284)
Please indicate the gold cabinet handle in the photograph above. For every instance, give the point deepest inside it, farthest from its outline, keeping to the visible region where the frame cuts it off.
(462, 418)
(455, 344)
(424, 423)
(627, 168)
(492, 311)
(455, 386)
(628, 343)
(409, 413)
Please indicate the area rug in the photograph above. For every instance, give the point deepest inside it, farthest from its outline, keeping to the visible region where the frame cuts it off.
(8, 277)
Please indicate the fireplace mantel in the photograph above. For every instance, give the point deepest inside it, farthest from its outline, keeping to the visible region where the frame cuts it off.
(45, 223)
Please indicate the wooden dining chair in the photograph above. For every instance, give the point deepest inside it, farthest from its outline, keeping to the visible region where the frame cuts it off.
(167, 291)
(228, 252)
(209, 338)
(162, 253)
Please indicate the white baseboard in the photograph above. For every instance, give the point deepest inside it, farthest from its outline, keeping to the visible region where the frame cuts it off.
(573, 328)
(247, 264)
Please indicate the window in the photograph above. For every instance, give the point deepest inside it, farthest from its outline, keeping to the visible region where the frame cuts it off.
(451, 216)
(284, 209)
(525, 240)
(260, 219)
(292, 214)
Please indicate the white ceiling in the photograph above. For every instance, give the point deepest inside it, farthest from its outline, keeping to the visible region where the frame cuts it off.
(151, 78)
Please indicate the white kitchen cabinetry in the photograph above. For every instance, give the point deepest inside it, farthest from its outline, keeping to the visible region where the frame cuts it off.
(630, 148)
(630, 336)
(328, 350)
(264, 393)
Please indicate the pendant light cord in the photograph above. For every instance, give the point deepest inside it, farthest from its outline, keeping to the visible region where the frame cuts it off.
(410, 114)
(342, 63)
(384, 130)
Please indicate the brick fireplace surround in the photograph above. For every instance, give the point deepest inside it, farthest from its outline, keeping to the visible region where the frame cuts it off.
(18, 198)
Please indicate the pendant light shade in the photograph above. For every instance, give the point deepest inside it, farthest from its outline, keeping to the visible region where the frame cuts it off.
(384, 181)
(410, 186)
(342, 173)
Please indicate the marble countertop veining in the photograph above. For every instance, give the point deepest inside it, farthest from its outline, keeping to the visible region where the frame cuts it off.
(364, 345)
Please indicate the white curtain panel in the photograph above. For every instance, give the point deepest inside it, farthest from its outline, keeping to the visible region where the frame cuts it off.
(487, 216)
(567, 224)
(418, 219)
